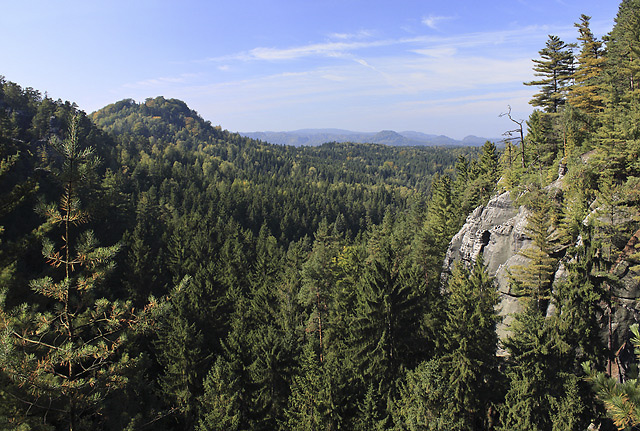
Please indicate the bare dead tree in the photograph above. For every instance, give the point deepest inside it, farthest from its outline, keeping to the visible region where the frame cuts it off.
(509, 134)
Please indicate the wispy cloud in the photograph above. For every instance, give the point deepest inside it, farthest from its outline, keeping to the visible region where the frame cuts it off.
(362, 34)
(162, 81)
(321, 49)
(432, 21)
(349, 46)
(421, 75)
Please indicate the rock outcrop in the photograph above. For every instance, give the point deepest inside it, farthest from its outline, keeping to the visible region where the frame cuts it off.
(498, 230)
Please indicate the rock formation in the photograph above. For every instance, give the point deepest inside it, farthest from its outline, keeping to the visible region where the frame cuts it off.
(498, 230)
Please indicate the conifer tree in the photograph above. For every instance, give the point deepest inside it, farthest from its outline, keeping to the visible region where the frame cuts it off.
(622, 400)
(555, 69)
(220, 402)
(14, 194)
(541, 139)
(541, 394)
(534, 279)
(179, 347)
(369, 417)
(438, 228)
(488, 164)
(471, 343)
(510, 169)
(310, 403)
(618, 136)
(585, 92)
(67, 359)
(623, 49)
(483, 179)
(458, 389)
(423, 400)
(316, 292)
(387, 334)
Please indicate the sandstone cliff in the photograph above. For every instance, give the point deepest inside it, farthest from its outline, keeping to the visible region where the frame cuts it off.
(498, 230)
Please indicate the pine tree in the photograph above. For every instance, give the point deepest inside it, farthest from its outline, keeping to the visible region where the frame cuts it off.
(67, 359)
(622, 400)
(555, 69)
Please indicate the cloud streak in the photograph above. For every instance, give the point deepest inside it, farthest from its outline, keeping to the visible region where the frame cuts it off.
(432, 21)
(420, 75)
(348, 45)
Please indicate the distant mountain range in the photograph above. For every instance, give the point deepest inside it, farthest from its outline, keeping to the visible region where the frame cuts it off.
(314, 137)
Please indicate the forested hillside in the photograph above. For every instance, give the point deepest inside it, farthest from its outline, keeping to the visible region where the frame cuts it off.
(159, 272)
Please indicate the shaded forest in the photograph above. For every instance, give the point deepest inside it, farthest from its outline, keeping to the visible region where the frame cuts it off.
(159, 272)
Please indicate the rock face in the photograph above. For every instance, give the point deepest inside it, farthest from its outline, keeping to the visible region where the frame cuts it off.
(499, 231)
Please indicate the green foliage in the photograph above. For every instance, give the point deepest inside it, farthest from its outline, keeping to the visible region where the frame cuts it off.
(220, 402)
(66, 359)
(555, 69)
(534, 278)
(309, 278)
(387, 328)
(585, 94)
(310, 400)
(541, 389)
(622, 400)
(471, 342)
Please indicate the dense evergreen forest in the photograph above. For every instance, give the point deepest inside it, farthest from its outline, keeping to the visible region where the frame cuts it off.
(159, 272)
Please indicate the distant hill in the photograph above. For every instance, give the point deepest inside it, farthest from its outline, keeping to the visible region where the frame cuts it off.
(315, 137)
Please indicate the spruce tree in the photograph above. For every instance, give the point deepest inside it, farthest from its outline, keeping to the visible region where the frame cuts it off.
(438, 228)
(310, 401)
(542, 144)
(541, 390)
(317, 290)
(220, 402)
(388, 332)
(471, 343)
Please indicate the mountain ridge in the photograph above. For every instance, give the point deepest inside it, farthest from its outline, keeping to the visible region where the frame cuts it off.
(408, 138)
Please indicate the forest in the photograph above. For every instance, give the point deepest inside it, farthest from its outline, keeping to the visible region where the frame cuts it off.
(159, 272)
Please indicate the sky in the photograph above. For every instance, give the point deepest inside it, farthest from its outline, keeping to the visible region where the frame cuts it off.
(438, 67)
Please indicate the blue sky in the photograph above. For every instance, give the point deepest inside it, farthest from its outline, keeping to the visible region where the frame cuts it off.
(442, 67)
